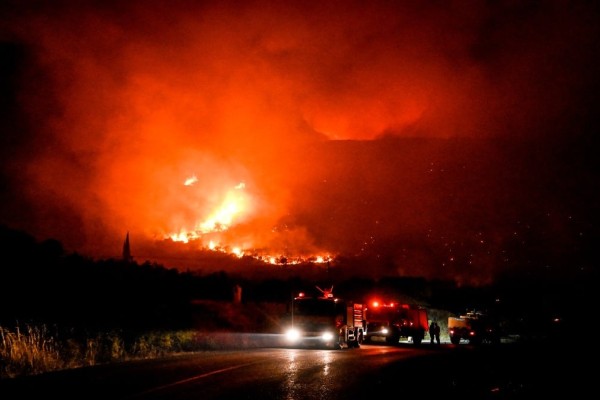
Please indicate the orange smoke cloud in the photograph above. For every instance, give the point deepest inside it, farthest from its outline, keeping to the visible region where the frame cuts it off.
(133, 99)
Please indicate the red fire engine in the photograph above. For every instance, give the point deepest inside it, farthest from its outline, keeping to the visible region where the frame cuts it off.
(391, 321)
(325, 321)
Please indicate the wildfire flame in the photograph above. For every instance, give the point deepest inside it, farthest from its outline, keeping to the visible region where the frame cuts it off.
(233, 207)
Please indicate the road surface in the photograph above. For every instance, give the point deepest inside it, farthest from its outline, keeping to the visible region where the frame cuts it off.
(506, 371)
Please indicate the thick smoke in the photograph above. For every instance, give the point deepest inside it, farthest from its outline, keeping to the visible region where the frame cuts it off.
(111, 106)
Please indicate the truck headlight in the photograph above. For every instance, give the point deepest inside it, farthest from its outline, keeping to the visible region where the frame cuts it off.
(327, 336)
(292, 335)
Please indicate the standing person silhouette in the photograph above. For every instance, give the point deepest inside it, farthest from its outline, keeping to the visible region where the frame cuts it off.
(436, 332)
(432, 331)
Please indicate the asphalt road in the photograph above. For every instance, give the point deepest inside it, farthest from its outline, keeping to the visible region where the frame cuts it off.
(505, 371)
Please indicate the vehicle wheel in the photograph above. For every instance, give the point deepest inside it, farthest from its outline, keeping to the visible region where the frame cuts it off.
(455, 340)
(359, 339)
(336, 346)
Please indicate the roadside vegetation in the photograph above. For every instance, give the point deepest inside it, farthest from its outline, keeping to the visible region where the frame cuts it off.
(32, 350)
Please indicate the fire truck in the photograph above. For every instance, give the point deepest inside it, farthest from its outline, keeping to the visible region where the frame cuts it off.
(473, 327)
(325, 322)
(390, 322)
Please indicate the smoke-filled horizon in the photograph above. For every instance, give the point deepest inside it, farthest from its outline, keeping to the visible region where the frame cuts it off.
(439, 138)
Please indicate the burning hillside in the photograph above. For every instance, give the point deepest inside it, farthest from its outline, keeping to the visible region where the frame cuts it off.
(430, 139)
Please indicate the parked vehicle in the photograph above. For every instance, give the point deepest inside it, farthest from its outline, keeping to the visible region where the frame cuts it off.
(325, 321)
(391, 322)
(474, 328)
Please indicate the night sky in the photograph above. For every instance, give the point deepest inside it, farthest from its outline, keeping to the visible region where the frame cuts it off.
(438, 139)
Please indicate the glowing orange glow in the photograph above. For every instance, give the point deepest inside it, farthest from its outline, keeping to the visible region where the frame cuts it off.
(307, 132)
(235, 206)
(232, 205)
(190, 181)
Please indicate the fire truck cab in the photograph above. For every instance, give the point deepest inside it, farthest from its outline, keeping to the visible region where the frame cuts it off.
(325, 322)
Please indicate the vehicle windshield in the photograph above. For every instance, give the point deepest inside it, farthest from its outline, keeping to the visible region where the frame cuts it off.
(316, 307)
(383, 313)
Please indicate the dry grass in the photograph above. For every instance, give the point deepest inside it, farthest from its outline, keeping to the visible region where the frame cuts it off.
(27, 351)
(32, 350)
(36, 349)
